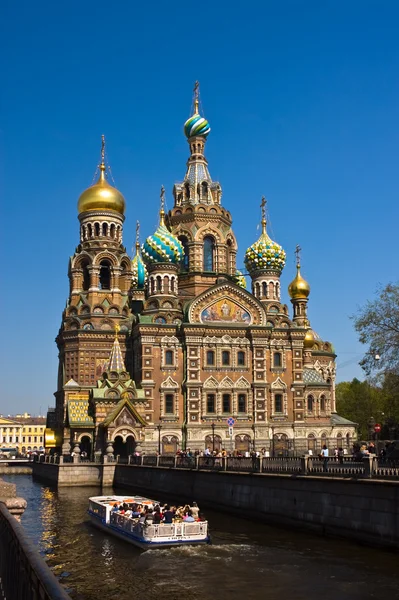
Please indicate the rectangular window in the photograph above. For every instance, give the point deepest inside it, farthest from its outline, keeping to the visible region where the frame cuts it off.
(226, 403)
(242, 403)
(35, 439)
(225, 358)
(210, 358)
(240, 359)
(169, 404)
(29, 439)
(16, 439)
(169, 357)
(210, 403)
(41, 438)
(277, 359)
(23, 439)
(278, 403)
(30, 429)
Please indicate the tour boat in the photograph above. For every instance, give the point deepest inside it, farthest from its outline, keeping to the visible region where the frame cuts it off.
(144, 535)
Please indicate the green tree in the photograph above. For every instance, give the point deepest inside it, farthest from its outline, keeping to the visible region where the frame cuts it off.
(378, 326)
(359, 401)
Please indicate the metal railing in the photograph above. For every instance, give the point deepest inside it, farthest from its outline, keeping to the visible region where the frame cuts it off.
(23, 573)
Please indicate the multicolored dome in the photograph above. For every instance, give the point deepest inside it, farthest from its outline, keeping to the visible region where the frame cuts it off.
(139, 271)
(196, 125)
(162, 247)
(299, 289)
(265, 255)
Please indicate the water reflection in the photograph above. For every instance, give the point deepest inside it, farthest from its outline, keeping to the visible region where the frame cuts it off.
(246, 559)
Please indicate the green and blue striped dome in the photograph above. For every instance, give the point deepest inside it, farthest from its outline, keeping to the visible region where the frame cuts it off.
(196, 125)
(162, 247)
(139, 272)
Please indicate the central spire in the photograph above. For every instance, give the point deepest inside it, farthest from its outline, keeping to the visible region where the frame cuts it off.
(116, 362)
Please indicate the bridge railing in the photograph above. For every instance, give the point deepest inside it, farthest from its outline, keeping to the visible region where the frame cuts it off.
(23, 573)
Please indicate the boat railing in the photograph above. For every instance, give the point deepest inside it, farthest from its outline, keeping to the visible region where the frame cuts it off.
(182, 529)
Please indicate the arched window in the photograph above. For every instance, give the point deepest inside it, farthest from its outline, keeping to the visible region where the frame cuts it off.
(264, 289)
(240, 358)
(277, 361)
(322, 403)
(204, 190)
(159, 283)
(90, 230)
(97, 229)
(86, 277)
(112, 231)
(104, 229)
(229, 258)
(210, 358)
(186, 260)
(187, 190)
(278, 403)
(105, 275)
(209, 253)
(310, 403)
(169, 357)
(225, 358)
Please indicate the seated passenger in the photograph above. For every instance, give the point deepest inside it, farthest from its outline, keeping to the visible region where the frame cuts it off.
(128, 513)
(149, 517)
(167, 515)
(189, 517)
(115, 508)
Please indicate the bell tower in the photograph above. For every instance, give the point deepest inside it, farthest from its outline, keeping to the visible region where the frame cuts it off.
(198, 218)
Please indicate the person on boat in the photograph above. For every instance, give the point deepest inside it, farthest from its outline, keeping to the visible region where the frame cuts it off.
(168, 515)
(188, 518)
(149, 519)
(194, 510)
(136, 511)
(115, 507)
(157, 515)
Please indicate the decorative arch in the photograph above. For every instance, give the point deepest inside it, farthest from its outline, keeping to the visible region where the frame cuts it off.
(206, 230)
(81, 257)
(226, 383)
(211, 383)
(242, 383)
(105, 256)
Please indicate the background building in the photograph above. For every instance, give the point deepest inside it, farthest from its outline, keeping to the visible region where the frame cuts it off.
(159, 351)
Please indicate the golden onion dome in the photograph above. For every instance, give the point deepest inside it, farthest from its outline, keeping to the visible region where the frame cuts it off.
(299, 289)
(101, 196)
(309, 339)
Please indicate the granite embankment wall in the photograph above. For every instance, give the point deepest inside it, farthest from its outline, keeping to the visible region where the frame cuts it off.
(75, 474)
(364, 510)
(4, 470)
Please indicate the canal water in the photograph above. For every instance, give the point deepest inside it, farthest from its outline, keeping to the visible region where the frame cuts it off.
(246, 560)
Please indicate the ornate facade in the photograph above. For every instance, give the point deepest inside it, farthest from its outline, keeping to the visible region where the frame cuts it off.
(193, 347)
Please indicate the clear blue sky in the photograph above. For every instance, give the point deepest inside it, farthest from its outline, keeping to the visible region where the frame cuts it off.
(302, 98)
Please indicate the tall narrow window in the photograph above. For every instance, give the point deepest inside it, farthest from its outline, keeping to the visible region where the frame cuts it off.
(86, 276)
(210, 358)
(169, 404)
(226, 403)
(225, 358)
(105, 275)
(209, 254)
(322, 403)
(240, 358)
(278, 403)
(229, 258)
(169, 357)
(310, 403)
(210, 403)
(242, 403)
(185, 262)
(204, 190)
(104, 229)
(277, 362)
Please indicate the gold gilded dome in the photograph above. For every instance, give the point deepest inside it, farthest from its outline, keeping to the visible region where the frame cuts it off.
(309, 339)
(299, 287)
(101, 195)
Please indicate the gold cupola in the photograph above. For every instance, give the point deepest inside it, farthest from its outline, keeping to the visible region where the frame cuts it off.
(309, 340)
(299, 289)
(101, 195)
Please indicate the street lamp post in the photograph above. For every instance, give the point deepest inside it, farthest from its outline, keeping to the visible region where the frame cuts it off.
(371, 425)
(254, 438)
(159, 427)
(213, 436)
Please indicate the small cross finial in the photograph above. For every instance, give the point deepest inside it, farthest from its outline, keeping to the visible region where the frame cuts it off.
(162, 211)
(196, 97)
(263, 207)
(103, 150)
(137, 235)
(298, 255)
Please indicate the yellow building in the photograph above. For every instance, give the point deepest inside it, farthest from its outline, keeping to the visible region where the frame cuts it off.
(10, 434)
(31, 437)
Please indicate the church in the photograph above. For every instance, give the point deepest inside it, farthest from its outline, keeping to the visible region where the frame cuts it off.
(168, 350)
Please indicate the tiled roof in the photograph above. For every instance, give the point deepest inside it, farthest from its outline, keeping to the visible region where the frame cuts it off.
(312, 377)
(78, 414)
(337, 420)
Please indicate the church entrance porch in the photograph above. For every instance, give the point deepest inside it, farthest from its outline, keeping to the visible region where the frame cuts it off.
(85, 446)
(124, 447)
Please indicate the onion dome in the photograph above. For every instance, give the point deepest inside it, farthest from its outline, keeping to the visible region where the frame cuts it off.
(162, 246)
(101, 195)
(139, 272)
(196, 125)
(299, 289)
(240, 279)
(309, 339)
(265, 254)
